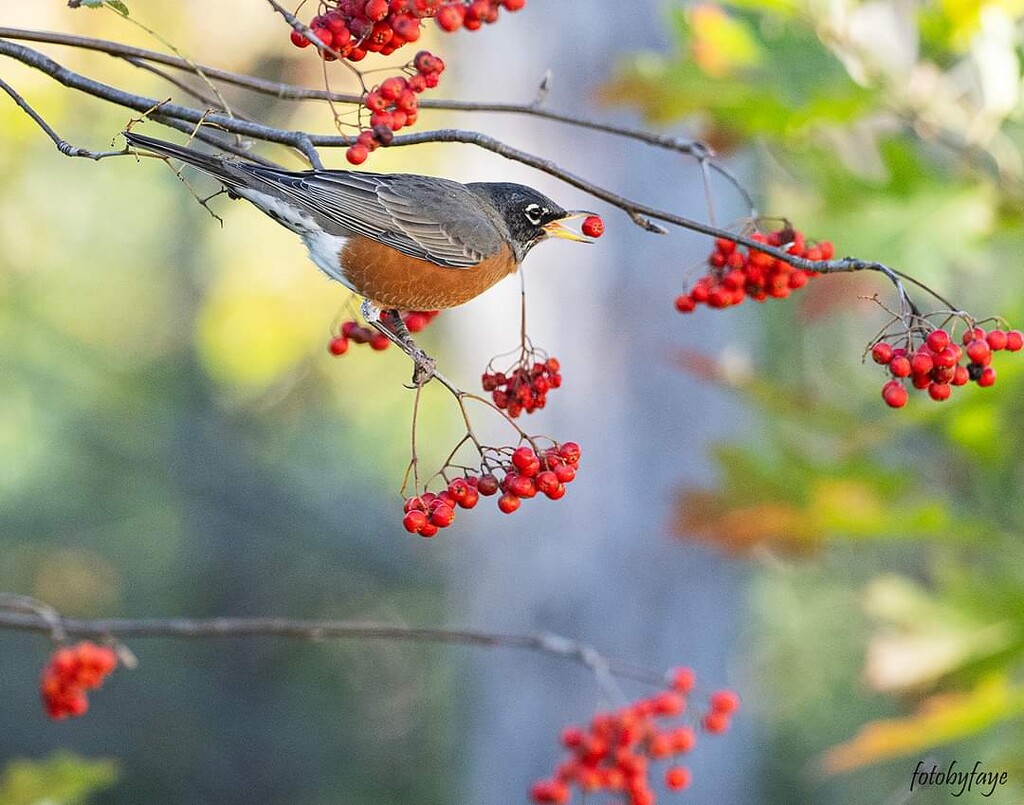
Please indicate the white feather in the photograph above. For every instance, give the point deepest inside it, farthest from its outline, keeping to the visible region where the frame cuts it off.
(324, 248)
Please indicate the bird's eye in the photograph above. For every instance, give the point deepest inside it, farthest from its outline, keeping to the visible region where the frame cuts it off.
(534, 213)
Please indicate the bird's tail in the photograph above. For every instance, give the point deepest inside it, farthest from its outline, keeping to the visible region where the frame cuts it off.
(207, 163)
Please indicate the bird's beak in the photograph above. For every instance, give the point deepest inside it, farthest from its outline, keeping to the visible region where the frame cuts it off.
(559, 229)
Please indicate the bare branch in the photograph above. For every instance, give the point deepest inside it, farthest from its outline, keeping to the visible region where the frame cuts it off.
(16, 615)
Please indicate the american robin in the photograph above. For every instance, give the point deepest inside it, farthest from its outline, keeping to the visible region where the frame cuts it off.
(401, 241)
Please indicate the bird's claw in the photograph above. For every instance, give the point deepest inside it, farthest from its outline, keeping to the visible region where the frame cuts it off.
(425, 366)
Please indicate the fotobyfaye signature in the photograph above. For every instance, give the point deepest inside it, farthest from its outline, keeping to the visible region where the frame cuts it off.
(958, 781)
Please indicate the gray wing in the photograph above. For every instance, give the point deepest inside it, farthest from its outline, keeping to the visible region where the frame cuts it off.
(431, 219)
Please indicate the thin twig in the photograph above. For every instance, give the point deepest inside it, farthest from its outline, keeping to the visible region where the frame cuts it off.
(63, 145)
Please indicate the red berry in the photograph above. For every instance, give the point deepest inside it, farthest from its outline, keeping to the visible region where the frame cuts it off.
(988, 377)
(715, 723)
(593, 226)
(946, 358)
(685, 303)
(414, 521)
(508, 503)
(338, 346)
(979, 351)
(997, 339)
(921, 363)
(487, 485)
(881, 353)
(939, 391)
(683, 679)
(357, 154)
(299, 39)
(570, 451)
(894, 394)
(1014, 340)
(677, 778)
(450, 18)
(376, 9)
(683, 739)
(547, 482)
(428, 530)
(937, 340)
(725, 701)
(443, 516)
(900, 366)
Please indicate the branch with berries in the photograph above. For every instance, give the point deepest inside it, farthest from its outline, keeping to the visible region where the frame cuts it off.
(757, 260)
(615, 752)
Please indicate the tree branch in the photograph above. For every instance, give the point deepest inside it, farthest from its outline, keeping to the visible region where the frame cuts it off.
(17, 615)
(180, 117)
(291, 92)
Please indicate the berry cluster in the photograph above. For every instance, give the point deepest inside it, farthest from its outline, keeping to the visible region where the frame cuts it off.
(354, 333)
(523, 471)
(71, 672)
(525, 386)
(737, 272)
(393, 105)
(615, 753)
(354, 28)
(938, 364)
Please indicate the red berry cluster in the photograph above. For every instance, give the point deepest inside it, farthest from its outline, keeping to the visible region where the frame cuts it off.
(393, 105)
(615, 753)
(938, 364)
(525, 473)
(737, 272)
(72, 671)
(472, 14)
(354, 333)
(524, 387)
(354, 28)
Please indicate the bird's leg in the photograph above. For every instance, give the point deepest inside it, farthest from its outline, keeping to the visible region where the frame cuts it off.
(389, 322)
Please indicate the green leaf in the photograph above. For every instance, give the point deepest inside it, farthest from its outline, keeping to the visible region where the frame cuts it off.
(61, 779)
(118, 6)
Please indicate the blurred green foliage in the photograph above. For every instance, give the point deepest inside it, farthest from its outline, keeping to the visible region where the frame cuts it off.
(175, 439)
(61, 779)
(895, 590)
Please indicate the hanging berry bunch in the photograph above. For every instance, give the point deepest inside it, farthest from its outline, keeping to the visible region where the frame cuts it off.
(393, 105)
(930, 360)
(519, 474)
(71, 671)
(352, 332)
(354, 28)
(523, 387)
(737, 272)
(615, 753)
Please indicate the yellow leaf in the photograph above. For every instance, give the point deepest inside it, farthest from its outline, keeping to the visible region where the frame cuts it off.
(721, 45)
(941, 719)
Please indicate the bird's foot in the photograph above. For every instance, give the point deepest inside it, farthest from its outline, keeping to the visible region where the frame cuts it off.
(425, 367)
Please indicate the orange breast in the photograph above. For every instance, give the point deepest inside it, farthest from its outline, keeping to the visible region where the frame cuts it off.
(394, 280)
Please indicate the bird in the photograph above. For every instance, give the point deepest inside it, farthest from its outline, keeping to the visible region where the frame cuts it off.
(401, 241)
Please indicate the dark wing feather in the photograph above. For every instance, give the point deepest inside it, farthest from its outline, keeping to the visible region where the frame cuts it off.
(431, 219)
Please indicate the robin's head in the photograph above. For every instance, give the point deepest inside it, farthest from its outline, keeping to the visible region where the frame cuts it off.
(531, 216)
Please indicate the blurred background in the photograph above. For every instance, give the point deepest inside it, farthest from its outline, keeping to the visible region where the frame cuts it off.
(176, 440)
